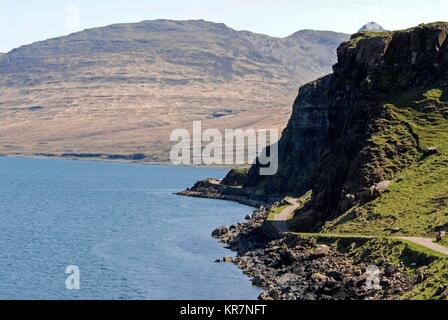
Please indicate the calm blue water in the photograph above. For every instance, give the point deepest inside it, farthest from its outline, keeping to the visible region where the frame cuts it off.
(120, 224)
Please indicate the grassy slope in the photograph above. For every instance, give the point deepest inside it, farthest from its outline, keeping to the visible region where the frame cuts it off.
(417, 202)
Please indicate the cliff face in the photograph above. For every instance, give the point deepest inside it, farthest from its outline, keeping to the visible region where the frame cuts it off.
(350, 131)
(301, 143)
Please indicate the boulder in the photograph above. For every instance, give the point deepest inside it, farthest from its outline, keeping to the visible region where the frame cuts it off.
(309, 297)
(347, 202)
(286, 278)
(264, 296)
(440, 290)
(335, 275)
(218, 232)
(381, 187)
(288, 257)
(427, 152)
(367, 194)
(257, 281)
(318, 277)
(321, 251)
(440, 235)
(227, 259)
(390, 270)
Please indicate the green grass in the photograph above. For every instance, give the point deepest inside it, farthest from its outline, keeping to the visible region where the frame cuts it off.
(438, 271)
(275, 211)
(367, 35)
(417, 201)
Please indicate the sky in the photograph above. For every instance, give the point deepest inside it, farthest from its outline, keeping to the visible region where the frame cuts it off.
(26, 21)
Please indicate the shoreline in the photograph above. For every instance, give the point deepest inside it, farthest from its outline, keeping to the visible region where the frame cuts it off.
(213, 189)
(291, 267)
(118, 161)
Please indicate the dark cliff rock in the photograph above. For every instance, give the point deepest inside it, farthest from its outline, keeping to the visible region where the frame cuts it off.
(345, 135)
(235, 177)
(301, 142)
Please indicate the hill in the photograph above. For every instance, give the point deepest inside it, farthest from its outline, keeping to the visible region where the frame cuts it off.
(121, 89)
(371, 26)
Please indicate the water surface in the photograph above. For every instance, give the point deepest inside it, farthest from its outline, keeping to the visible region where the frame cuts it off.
(120, 224)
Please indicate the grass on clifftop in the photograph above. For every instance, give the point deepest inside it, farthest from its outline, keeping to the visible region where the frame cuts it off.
(417, 202)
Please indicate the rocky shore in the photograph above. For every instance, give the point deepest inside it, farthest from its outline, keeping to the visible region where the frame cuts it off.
(213, 189)
(289, 267)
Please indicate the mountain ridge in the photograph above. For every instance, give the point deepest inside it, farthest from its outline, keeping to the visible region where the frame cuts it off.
(158, 75)
(371, 26)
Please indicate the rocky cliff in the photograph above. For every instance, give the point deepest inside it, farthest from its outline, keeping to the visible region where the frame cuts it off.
(356, 129)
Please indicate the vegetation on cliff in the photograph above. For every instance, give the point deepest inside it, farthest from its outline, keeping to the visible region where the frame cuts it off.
(376, 126)
(370, 143)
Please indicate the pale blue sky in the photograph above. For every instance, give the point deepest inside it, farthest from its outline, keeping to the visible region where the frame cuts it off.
(26, 21)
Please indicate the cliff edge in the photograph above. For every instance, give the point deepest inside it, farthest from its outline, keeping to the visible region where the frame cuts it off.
(378, 122)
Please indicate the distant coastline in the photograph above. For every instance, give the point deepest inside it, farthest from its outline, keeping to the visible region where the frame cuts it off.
(122, 161)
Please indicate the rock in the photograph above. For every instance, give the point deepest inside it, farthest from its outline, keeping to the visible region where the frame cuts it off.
(385, 283)
(347, 202)
(440, 236)
(247, 217)
(257, 281)
(318, 277)
(420, 276)
(286, 278)
(233, 227)
(357, 272)
(227, 259)
(381, 187)
(218, 232)
(440, 290)
(289, 268)
(218, 261)
(309, 297)
(395, 229)
(264, 296)
(321, 251)
(389, 270)
(275, 294)
(288, 257)
(348, 107)
(444, 295)
(367, 194)
(427, 152)
(335, 275)
(235, 177)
